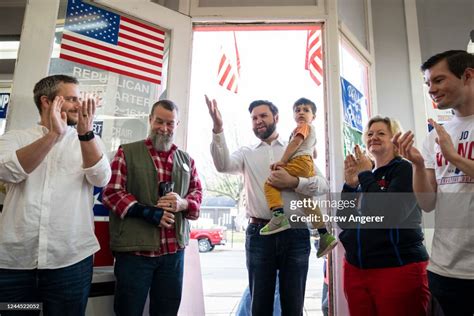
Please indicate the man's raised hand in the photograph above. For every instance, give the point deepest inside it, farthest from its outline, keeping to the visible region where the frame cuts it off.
(405, 143)
(86, 112)
(57, 118)
(444, 141)
(215, 115)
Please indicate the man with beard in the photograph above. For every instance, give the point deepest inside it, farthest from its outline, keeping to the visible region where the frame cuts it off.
(46, 228)
(149, 224)
(286, 252)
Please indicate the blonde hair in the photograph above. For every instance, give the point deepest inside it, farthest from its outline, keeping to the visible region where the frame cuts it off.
(393, 125)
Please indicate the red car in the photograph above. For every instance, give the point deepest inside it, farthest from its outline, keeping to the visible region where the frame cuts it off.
(208, 238)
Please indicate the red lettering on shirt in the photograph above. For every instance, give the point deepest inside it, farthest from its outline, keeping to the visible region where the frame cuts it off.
(471, 151)
(439, 159)
(462, 148)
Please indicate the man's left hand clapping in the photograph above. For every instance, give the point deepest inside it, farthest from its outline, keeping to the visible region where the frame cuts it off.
(86, 112)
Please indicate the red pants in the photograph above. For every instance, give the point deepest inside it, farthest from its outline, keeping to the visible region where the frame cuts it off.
(397, 291)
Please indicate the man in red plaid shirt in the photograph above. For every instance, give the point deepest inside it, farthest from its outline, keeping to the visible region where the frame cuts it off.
(148, 224)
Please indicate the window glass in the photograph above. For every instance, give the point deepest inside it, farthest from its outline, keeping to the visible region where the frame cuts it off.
(120, 59)
(355, 95)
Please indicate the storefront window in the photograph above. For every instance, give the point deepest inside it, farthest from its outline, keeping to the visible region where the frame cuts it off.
(119, 59)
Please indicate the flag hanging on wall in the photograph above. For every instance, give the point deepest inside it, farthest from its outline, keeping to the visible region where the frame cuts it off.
(105, 40)
(228, 73)
(314, 56)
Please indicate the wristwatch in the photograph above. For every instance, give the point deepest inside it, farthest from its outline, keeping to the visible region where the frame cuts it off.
(87, 136)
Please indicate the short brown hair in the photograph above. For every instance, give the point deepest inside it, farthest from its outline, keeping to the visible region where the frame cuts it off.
(49, 87)
(458, 61)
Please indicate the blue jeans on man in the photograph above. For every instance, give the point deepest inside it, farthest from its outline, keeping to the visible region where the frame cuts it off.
(138, 276)
(63, 291)
(286, 252)
(244, 308)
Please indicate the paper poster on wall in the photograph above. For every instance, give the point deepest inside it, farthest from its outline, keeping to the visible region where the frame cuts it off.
(352, 102)
(432, 111)
(352, 137)
(4, 100)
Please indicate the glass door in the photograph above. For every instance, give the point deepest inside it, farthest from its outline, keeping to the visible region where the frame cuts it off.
(129, 54)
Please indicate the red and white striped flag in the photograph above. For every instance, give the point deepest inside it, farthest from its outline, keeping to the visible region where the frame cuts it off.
(105, 40)
(314, 56)
(228, 73)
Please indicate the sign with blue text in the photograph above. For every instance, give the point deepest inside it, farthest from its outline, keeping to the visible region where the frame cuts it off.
(98, 127)
(4, 99)
(352, 102)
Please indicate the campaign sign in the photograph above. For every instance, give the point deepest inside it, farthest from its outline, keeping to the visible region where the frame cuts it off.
(352, 137)
(352, 100)
(4, 99)
(99, 208)
(98, 127)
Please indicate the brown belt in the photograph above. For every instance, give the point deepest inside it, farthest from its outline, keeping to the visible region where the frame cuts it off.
(258, 221)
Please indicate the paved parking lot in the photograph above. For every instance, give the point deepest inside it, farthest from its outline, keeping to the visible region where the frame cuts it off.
(224, 278)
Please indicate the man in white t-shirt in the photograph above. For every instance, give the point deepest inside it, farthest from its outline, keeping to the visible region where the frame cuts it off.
(443, 179)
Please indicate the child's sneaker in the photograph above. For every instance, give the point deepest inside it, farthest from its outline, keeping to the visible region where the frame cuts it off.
(278, 223)
(326, 243)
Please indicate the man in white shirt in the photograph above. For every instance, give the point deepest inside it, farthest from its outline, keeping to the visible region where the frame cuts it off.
(443, 179)
(47, 227)
(286, 252)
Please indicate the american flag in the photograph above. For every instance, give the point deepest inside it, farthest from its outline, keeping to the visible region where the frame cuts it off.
(105, 40)
(314, 56)
(229, 68)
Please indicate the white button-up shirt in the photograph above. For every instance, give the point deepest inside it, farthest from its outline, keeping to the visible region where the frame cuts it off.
(47, 220)
(253, 162)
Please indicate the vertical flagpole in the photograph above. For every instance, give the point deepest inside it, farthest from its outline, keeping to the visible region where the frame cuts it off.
(306, 62)
(237, 55)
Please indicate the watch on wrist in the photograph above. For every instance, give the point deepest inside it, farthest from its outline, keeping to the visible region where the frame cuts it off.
(87, 136)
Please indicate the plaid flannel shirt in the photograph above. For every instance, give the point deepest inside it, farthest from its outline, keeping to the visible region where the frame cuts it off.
(117, 199)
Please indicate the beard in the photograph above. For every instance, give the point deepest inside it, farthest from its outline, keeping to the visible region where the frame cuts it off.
(161, 142)
(71, 122)
(71, 118)
(267, 133)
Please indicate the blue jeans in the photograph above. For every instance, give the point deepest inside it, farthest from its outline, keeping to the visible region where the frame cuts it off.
(286, 252)
(454, 295)
(245, 302)
(62, 291)
(137, 275)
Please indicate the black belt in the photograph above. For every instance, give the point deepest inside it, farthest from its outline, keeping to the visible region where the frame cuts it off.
(258, 221)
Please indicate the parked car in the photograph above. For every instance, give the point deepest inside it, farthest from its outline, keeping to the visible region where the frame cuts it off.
(208, 238)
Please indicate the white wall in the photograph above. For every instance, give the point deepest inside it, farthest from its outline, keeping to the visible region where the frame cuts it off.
(444, 25)
(391, 61)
